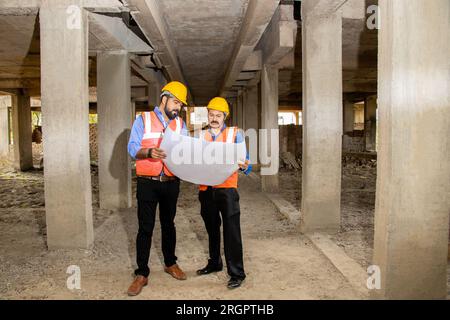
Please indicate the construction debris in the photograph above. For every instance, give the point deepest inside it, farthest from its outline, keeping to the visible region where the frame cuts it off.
(289, 160)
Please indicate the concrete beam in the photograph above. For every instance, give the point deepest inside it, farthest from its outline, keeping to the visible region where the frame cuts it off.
(254, 61)
(413, 173)
(67, 177)
(138, 82)
(354, 9)
(246, 75)
(139, 93)
(280, 36)
(17, 35)
(322, 7)
(19, 83)
(258, 15)
(148, 16)
(255, 80)
(111, 33)
(147, 74)
(21, 7)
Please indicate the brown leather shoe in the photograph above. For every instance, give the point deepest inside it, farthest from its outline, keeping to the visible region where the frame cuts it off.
(137, 285)
(175, 272)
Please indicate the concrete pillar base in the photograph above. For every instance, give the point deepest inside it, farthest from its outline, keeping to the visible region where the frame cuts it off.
(270, 183)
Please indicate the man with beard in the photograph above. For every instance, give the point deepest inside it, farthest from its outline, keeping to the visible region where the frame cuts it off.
(155, 183)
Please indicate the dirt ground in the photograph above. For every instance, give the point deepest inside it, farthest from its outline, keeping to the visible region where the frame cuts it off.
(357, 206)
(280, 263)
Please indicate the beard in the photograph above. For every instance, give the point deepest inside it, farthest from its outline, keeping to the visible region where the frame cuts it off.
(170, 114)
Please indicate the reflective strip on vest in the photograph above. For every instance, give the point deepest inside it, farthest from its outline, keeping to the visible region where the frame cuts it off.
(148, 134)
(178, 128)
(232, 180)
(230, 135)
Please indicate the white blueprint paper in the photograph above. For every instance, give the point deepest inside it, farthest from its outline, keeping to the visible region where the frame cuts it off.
(201, 162)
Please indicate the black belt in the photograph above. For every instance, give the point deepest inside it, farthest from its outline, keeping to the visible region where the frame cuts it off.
(159, 178)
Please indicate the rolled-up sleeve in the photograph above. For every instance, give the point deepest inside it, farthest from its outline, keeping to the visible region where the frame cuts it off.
(137, 132)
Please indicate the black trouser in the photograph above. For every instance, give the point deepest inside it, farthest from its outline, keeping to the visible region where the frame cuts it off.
(225, 201)
(149, 194)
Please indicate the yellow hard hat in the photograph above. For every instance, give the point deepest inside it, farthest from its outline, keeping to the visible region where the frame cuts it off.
(177, 89)
(219, 104)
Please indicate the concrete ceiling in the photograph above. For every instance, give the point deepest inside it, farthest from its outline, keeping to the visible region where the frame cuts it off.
(19, 50)
(203, 33)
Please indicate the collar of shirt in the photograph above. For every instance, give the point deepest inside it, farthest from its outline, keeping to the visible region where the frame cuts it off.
(214, 137)
(161, 117)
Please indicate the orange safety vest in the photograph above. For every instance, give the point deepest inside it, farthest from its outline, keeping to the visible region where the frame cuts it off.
(153, 132)
(228, 135)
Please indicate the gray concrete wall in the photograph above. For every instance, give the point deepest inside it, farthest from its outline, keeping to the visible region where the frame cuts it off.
(322, 121)
(413, 177)
(114, 125)
(65, 109)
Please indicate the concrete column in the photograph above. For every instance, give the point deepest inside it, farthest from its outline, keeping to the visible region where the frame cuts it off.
(114, 125)
(251, 108)
(234, 110)
(322, 121)
(21, 118)
(4, 127)
(65, 110)
(269, 120)
(251, 115)
(370, 123)
(349, 116)
(240, 109)
(133, 111)
(413, 173)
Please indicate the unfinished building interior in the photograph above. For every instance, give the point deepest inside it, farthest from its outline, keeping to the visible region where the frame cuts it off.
(359, 90)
